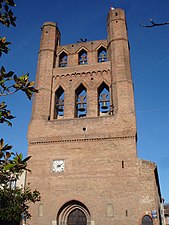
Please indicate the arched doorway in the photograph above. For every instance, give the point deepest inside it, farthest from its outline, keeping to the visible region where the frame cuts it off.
(76, 217)
(147, 220)
(73, 213)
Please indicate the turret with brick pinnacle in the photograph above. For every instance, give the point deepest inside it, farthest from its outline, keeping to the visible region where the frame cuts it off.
(118, 53)
(50, 39)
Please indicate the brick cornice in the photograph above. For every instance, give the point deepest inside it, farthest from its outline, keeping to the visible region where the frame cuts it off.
(54, 141)
(81, 73)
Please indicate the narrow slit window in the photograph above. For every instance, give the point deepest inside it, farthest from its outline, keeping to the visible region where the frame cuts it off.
(82, 57)
(102, 55)
(59, 104)
(63, 60)
(81, 101)
(103, 100)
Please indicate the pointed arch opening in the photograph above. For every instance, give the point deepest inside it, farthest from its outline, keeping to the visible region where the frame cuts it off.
(103, 100)
(73, 213)
(63, 59)
(59, 103)
(81, 101)
(77, 216)
(102, 54)
(82, 57)
(147, 220)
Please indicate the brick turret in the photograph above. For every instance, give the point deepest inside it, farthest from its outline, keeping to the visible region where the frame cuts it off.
(50, 40)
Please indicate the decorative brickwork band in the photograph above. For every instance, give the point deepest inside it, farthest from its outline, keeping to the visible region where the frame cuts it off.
(86, 73)
(78, 140)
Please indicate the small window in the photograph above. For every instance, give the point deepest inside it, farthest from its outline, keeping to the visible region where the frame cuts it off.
(82, 57)
(102, 55)
(59, 103)
(103, 100)
(63, 59)
(81, 101)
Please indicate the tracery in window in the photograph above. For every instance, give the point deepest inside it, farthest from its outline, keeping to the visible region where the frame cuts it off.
(59, 103)
(81, 101)
(63, 59)
(103, 100)
(82, 57)
(102, 54)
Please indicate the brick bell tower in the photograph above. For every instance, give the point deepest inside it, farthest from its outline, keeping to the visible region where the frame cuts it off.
(82, 135)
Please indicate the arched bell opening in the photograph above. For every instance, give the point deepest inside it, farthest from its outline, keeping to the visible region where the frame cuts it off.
(59, 103)
(63, 59)
(82, 57)
(73, 213)
(147, 220)
(102, 54)
(103, 100)
(81, 101)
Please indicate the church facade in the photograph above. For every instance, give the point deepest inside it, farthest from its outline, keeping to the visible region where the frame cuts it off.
(82, 135)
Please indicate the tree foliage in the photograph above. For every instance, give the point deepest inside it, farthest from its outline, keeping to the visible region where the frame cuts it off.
(14, 201)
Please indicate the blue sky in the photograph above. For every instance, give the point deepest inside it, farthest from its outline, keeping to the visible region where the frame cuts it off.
(87, 19)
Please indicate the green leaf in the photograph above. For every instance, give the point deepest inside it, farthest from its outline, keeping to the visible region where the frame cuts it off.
(1, 143)
(8, 155)
(31, 84)
(10, 74)
(8, 123)
(6, 7)
(10, 2)
(9, 166)
(20, 156)
(2, 105)
(26, 159)
(7, 147)
(2, 69)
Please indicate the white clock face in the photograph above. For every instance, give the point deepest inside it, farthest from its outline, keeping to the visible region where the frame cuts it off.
(58, 166)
